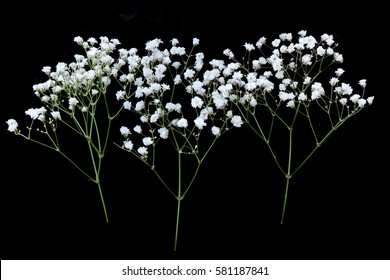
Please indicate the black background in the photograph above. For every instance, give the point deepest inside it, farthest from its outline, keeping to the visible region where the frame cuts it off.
(338, 206)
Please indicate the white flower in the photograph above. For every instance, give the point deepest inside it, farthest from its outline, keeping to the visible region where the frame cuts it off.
(56, 115)
(12, 125)
(144, 118)
(196, 102)
(333, 81)
(72, 103)
(307, 80)
(177, 79)
(164, 132)
(176, 64)
(249, 47)
(261, 42)
(339, 72)
(200, 123)
(275, 43)
(236, 121)
(216, 131)
(316, 90)
(153, 44)
(290, 104)
(128, 145)
(253, 101)
(78, 40)
(306, 59)
(343, 101)
(195, 41)
(143, 151)
(354, 98)
(228, 53)
(321, 51)
(363, 83)
(189, 73)
(302, 97)
(137, 129)
(182, 122)
(361, 102)
(370, 99)
(125, 131)
(120, 94)
(147, 141)
(36, 113)
(346, 89)
(139, 105)
(127, 105)
(338, 57)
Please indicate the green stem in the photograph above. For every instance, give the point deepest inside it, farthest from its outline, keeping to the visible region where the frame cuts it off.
(288, 175)
(177, 223)
(285, 199)
(178, 200)
(102, 199)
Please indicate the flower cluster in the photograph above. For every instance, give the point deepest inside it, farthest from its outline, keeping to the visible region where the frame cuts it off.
(75, 95)
(287, 72)
(174, 96)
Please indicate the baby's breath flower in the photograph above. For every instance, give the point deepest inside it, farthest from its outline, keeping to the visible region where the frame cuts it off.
(236, 121)
(12, 125)
(363, 83)
(125, 131)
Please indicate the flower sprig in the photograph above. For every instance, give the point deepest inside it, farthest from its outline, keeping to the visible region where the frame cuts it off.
(282, 83)
(175, 99)
(75, 96)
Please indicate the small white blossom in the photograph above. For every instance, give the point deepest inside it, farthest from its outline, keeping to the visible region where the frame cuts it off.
(343, 101)
(236, 121)
(249, 47)
(140, 105)
(125, 131)
(56, 115)
(199, 122)
(143, 151)
(189, 73)
(164, 132)
(127, 105)
(144, 118)
(72, 103)
(339, 72)
(196, 102)
(216, 131)
(195, 41)
(12, 125)
(182, 123)
(302, 97)
(361, 102)
(120, 94)
(333, 81)
(275, 43)
(36, 113)
(354, 98)
(338, 57)
(138, 129)
(147, 141)
(363, 83)
(290, 104)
